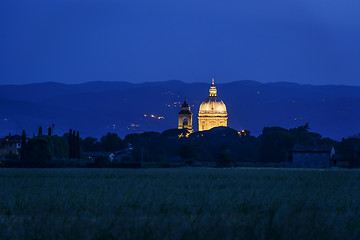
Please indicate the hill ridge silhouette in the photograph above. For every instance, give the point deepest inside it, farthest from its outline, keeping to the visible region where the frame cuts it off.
(95, 107)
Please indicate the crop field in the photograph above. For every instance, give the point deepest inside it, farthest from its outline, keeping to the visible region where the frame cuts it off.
(188, 203)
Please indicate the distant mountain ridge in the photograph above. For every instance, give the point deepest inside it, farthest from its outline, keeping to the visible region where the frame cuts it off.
(99, 107)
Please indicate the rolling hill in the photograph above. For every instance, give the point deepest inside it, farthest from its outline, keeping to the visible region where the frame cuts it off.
(99, 107)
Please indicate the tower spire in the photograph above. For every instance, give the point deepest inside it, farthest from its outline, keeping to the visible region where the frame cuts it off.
(213, 91)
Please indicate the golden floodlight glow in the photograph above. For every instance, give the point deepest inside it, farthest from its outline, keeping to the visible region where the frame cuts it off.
(212, 112)
(185, 117)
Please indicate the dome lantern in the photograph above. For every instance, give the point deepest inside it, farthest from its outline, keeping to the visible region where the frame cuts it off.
(213, 91)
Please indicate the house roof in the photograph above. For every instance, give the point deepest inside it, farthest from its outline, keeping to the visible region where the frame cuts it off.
(185, 112)
(308, 148)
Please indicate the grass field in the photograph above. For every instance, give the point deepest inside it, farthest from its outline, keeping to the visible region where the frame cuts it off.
(179, 204)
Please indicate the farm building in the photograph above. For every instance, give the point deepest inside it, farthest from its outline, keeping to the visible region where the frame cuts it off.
(10, 145)
(312, 156)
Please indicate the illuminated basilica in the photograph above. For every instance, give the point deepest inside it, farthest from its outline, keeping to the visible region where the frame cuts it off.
(212, 113)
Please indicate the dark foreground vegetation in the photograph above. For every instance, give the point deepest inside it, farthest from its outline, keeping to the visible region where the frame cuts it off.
(218, 147)
(186, 203)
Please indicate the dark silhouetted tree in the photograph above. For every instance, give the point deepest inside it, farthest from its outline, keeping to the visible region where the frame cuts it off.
(275, 143)
(74, 147)
(60, 146)
(38, 152)
(23, 145)
(90, 144)
(303, 136)
(350, 149)
(78, 145)
(187, 152)
(111, 142)
(149, 144)
(224, 159)
(49, 131)
(71, 144)
(101, 161)
(40, 132)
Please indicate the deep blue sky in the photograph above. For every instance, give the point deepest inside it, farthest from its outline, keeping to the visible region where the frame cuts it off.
(72, 41)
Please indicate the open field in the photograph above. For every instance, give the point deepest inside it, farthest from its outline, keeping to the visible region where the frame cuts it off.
(179, 204)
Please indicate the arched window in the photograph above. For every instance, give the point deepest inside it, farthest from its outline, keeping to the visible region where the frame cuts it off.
(185, 122)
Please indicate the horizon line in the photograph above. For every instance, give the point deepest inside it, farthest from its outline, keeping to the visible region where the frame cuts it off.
(175, 80)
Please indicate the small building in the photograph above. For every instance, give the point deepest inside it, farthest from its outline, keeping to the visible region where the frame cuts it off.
(312, 156)
(119, 156)
(10, 145)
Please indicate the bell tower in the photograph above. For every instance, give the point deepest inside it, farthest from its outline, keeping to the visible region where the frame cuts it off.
(185, 117)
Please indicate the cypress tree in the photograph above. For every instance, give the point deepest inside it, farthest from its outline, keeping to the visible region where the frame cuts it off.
(70, 143)
(74, 144)
(40, 132)
(49, 131)
(23, 145)
(78, 144)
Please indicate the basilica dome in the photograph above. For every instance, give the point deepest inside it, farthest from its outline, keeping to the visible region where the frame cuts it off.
(212, 105)
(212, 111)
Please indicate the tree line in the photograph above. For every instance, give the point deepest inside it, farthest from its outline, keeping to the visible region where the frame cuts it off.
(41, 150)
(225, 146)
(220, 147)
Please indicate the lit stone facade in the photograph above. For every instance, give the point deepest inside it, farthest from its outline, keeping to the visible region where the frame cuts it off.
(212, 112)
(185, 117)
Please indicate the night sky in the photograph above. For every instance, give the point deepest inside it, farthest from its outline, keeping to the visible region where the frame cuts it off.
(73, 41)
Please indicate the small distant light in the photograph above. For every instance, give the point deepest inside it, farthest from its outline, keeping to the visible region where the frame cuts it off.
(152, 116)
(145, 115)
